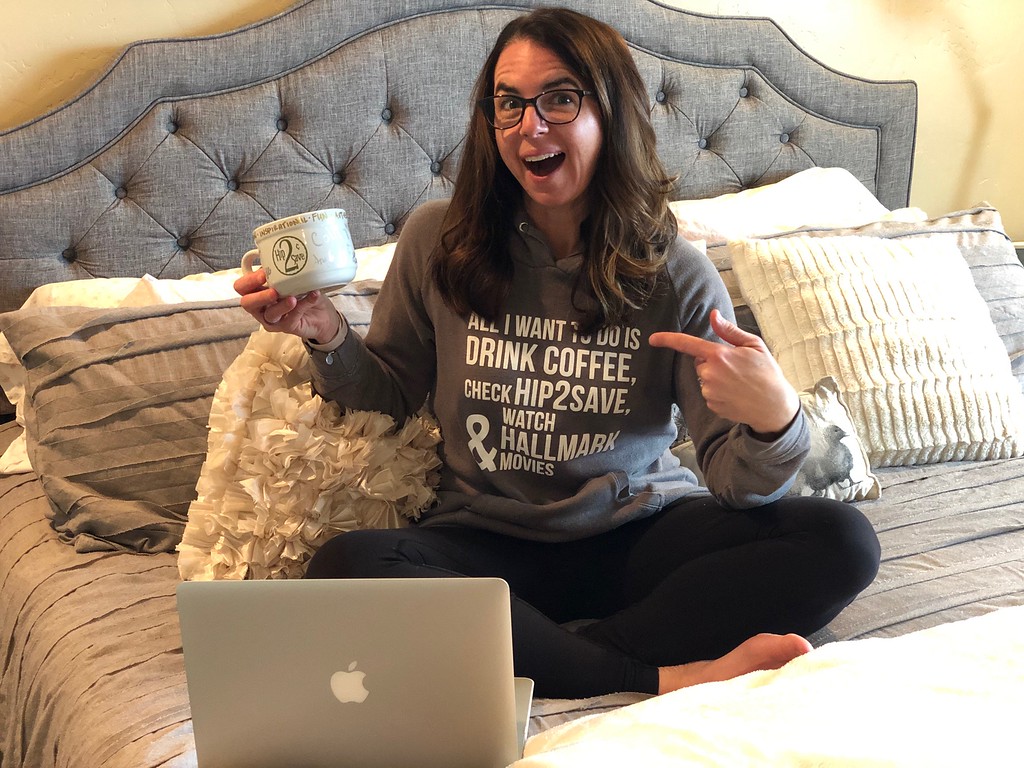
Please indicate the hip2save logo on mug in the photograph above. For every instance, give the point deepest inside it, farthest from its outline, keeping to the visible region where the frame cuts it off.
(306, 252)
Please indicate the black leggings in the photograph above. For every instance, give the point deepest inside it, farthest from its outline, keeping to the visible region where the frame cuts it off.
(689, 583)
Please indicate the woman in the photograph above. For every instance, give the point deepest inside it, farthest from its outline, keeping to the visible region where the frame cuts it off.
(550, 317)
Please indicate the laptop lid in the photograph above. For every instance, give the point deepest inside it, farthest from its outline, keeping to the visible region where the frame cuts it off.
(360, 672)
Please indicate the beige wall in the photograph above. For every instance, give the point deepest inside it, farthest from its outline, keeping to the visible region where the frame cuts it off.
(50, 50)
(967, 58)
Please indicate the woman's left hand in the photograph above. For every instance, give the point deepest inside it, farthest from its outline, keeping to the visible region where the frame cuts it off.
(740, 380)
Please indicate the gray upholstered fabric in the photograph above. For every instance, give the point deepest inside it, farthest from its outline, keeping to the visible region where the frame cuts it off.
(164, 170)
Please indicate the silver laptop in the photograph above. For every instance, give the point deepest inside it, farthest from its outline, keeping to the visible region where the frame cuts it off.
(363, 672)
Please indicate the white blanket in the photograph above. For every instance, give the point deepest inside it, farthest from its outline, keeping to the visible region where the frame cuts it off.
(952, 695)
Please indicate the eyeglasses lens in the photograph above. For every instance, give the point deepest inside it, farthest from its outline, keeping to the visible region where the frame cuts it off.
(553, 106)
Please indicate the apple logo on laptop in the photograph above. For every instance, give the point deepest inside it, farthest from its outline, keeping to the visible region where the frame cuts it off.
(348, 686)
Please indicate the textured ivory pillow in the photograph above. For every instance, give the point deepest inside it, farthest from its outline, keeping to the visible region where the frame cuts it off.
(979, 235)
(837, 466)
(285, 470)
(116, 404)
(902, 329)
(995, 269)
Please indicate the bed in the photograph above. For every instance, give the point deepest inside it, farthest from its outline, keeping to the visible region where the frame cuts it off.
(152, 433)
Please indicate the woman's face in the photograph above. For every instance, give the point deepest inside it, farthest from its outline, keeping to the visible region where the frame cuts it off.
(554, 164)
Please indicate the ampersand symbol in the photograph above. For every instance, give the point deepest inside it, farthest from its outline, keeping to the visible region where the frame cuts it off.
(478, 428)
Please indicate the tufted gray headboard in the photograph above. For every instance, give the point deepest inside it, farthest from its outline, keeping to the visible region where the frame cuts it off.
(171, 159)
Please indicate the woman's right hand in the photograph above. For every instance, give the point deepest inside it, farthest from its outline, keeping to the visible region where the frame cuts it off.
(738, 377)
(312, 317)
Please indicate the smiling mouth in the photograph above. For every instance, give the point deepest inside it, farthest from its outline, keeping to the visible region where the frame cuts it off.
(543, 165)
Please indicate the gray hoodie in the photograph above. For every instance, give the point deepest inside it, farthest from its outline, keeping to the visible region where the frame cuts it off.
(550, 434)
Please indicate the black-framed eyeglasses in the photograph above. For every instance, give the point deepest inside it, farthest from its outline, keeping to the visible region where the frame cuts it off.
(557, 107)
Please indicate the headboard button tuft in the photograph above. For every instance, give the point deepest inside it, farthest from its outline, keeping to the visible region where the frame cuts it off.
(703, 143)
(660, 97)
(338, 177)
(784, 138)
(435, 168)
(172, 127)
(387, 115)
(389, 229)
(232, 184)
(183, 242)
(69, 254)
(744, 92)
(282, 124)
(121, 193)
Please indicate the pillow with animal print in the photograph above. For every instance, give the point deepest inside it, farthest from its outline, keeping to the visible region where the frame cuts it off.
(837, 466)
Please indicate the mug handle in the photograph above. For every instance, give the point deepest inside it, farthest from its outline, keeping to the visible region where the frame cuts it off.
(248, 259)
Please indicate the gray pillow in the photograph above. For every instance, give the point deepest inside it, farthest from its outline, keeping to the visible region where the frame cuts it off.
(117, 402)
(985, 246)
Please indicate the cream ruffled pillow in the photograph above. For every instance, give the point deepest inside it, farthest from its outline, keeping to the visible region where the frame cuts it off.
(285, 470)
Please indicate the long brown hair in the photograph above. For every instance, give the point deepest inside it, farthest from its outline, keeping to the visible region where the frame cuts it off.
(629, 227)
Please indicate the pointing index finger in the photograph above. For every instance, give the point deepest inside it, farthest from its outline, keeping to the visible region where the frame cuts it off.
(693, 346)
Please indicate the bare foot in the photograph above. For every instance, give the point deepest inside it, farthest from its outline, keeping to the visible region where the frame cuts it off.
(759, 652)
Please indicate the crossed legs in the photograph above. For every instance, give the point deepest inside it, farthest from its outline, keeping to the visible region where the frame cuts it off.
(692, 594)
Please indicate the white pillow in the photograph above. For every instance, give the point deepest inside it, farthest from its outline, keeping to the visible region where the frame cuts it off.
(816, 197)
(903, 330)
(285, 470)
(205, 286)
(372, 263)
(14, 460)
(92, 292)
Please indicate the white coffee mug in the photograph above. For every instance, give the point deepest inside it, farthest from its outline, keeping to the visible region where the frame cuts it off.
(307, 252)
